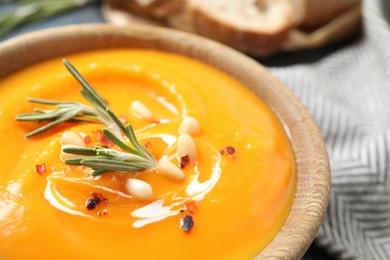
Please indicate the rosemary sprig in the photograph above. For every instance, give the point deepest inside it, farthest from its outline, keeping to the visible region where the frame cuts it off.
(102, 160)
(28, 11)
(69, 110)
(99, 159)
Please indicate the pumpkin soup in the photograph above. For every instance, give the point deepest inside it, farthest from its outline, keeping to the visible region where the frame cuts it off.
(185, 164)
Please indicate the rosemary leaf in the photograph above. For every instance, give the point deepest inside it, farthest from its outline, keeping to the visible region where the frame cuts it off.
(121, 156)
(42, 115)
(49, 126)
(74, 161)
(116, 120)
(49, 102)
(118, 142)
(88, 92)
(129, 132)
(81, 150)
(98, 172)
(131, 135)
(112, 165)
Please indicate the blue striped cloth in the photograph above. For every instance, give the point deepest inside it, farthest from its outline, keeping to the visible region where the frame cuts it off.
(348, 93)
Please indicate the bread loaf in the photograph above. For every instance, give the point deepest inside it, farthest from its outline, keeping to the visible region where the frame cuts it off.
(255, 27)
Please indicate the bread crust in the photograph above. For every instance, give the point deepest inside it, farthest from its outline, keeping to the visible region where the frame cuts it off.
(248, 41)
(195, 17)
(318, 13)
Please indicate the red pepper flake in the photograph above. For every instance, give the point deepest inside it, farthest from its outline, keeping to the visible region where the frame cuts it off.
(187, 223)
(107, 141)
(87, 139)
(99, 195)
(123, 119)
(184, 161)
(95, 200)
(94, 194)
(92, 203)
(148, 144)
(40, 168)
(230, 150)
(102, 138)
(191, 205)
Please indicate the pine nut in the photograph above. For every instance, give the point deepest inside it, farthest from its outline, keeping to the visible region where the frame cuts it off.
(190, 126)
(141, 111)
(69, 137)
(170, 170)
(186, 147)
(139, 189)
(65, 156)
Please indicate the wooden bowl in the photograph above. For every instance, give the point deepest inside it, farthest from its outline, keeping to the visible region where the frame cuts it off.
(313, 183)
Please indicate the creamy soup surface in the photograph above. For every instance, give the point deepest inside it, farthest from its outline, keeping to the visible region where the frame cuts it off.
(238, 192)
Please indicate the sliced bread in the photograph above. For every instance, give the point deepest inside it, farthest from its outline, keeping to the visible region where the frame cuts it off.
(258, 27)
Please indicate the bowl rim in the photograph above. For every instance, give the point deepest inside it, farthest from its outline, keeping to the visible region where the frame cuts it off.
(313, 183)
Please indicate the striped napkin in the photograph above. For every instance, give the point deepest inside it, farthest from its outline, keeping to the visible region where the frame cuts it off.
(348, 94)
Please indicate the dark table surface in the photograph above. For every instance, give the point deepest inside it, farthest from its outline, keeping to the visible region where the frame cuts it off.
(91, 14)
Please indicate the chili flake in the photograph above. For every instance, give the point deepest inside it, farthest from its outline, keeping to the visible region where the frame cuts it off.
(230, 150)
(94, 201)
(87, 139)
(187, 223)
(184, 161)
(102, 138)
(148, 144)
(191, 205)
(40, 168)
(107, 141)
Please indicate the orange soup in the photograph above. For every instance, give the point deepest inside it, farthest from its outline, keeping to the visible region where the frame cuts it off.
(234, 196)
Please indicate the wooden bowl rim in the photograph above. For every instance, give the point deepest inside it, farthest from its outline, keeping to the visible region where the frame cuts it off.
(313, 183)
